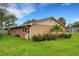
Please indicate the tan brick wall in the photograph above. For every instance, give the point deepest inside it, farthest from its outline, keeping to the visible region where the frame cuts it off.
(48, 22)
(42, 27)
(39, 29)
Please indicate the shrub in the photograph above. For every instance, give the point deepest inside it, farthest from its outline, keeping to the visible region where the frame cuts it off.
(65, 36)
(54, 37)
(50, 37)
(38, 38)
(44, 37)
(61, 35)
(17, 35)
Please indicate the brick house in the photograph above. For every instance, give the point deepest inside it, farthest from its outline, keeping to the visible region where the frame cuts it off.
(41, 26)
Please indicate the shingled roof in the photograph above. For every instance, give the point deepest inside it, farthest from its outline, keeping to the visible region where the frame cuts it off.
(54, 19)
(40, 20)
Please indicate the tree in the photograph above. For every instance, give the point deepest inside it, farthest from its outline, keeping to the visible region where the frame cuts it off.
(3, 13)
(11, 21)
(7, 18)
(75, 24)
(62, 20)
(56, 28)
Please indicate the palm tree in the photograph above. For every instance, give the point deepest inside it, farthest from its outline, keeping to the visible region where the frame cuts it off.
(56, 28)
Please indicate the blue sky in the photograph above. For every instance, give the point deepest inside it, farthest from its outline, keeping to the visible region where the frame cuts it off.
(42, 10)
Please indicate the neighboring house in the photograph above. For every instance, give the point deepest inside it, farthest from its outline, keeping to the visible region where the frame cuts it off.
(73, 29)
(41, 26)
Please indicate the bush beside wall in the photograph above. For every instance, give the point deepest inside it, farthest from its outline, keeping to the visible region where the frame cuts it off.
(66, 36)
(48, 37)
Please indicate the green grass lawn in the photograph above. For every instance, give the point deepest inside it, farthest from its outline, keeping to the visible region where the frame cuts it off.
(13, 46)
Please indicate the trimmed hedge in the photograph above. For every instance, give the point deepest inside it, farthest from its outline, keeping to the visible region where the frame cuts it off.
(48, 37)
(38, 38)
(66, 36)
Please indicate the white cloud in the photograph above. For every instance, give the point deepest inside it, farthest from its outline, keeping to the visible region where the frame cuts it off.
(66, 4)
(15, 11)
(28, 8)
(23, 10)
